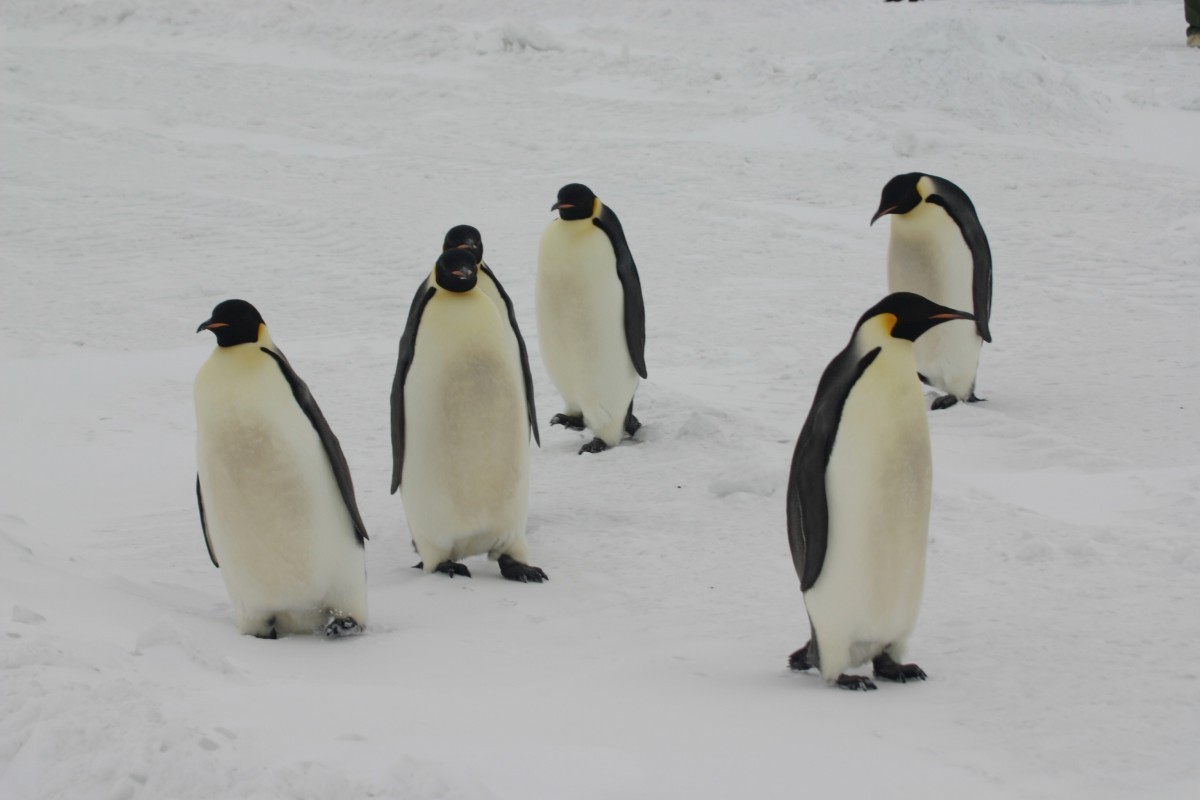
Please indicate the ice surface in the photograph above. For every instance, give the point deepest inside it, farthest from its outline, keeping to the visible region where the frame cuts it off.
(162, 155)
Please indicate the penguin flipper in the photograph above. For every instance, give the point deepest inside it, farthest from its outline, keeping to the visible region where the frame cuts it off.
(512, 320)
(204, 524)
(960, 208)
(635, 310)
(329, 441)
(408, 342)
(807, 502)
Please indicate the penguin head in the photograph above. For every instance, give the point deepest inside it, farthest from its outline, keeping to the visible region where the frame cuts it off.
(456, 270)
(234, 322)
(904, 315)
(467, 237)
(575, 201)
(902, 194)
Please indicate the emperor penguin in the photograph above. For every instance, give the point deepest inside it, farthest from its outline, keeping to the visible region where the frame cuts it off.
(276, 501)
(591, 319)
(858, 497)
(938, 249)
(462, 415)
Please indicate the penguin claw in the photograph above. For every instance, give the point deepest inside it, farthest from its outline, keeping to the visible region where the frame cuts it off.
(568, 422)
(856, 682)
(945, 401)
(447, 567)
(596, 445)
(887, 669)
(342, 626)
(516, 571)
(798, 660)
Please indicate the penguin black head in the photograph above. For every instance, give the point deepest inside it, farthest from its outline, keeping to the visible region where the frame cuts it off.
(464, 236)
(900, 195)
(234, 322)
(575, 201)
(456, 270)
(911, 315)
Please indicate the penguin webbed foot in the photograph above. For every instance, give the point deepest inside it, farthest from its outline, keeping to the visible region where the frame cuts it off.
(631, 424)
(568, 422)
(886, 668)
(596, 445)
(971, 398)
(447, 567)
(514, 570)
(798, 660)
(855, 683)
(945, 401)
(339, 627)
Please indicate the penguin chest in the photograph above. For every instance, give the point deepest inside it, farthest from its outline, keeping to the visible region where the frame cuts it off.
(927, 255)
(466, 427)
(878, 484)
(270, 498)
(580, 303)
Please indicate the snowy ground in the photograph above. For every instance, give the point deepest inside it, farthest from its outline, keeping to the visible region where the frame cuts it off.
(160, 156)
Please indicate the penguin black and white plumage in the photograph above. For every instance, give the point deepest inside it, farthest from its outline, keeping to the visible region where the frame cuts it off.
(938, 249)
(276, 501)
(462, 415)
(859, 494)
(591, 318)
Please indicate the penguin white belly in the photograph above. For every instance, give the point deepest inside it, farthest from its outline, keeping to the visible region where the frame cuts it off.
(466, 452)
(878, 484)
(581, 325)
(275, 517)
(929, 257)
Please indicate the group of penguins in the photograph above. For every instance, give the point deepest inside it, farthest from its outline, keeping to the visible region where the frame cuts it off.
(277, 503)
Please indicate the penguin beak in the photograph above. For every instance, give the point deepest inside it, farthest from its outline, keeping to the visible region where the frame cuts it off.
(882, 213)
(955, 315)
(208, 325)
(557, 206)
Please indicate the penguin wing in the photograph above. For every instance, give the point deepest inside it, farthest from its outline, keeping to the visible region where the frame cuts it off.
(807, 501)
(512, 320)
(408, 343)
(635, 310)
(960, 208)
(204, 524)
(333, 448)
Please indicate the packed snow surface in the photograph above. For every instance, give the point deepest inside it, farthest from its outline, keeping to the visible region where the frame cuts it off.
(159, 156)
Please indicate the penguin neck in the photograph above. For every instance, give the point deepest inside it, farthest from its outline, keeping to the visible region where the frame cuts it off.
(248, 350)
(877, 332)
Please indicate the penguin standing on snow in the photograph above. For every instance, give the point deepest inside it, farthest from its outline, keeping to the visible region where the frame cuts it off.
(591, 320)
(462, 413)
(276, 502)
(938, 249)
(858, 497)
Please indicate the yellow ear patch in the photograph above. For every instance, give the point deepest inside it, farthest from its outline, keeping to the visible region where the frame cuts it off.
(596, 207)
(886, 323)
(262, 326)
(924, 186)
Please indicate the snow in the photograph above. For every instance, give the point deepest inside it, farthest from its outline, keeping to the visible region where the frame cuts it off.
(162, 155)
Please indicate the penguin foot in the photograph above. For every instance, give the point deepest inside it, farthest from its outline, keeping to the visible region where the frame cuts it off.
(887, 669)
(856, 682)
(945, 401)
(516, 571)
(271, 634)
(971, 398)
(568, 422)
(596, 445)
(799, 660)
(631, 424)
(449, 567)
(342, 626)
